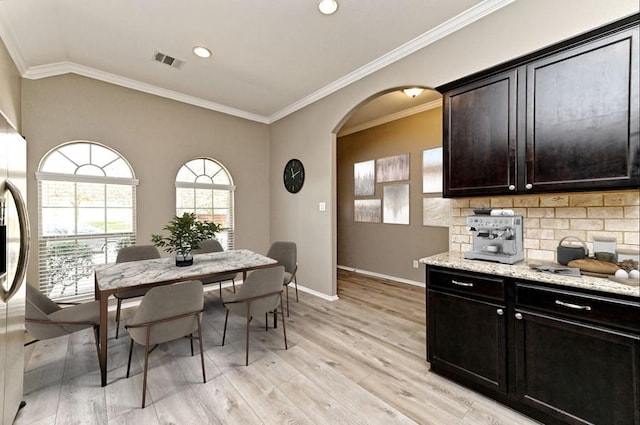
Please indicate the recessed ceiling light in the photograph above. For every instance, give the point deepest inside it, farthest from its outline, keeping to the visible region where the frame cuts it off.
(327, 7)
(203, 52)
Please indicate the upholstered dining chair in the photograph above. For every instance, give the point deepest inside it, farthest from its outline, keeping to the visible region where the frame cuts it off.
(132, 253)
(45, 319)
(260, 293)
(212, 245)
(286, 253)
(167, 313)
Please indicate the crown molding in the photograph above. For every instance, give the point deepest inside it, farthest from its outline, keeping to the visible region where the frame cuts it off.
(8, 120)
(37, 72)
(391, 117)
(452, 25)
(6, 34)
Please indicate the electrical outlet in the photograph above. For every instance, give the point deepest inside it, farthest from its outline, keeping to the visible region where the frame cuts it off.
(415, 264)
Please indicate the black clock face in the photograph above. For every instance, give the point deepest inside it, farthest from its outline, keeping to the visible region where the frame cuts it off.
(293, 176)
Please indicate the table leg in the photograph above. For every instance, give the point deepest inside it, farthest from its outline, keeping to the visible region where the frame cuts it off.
(104, 332)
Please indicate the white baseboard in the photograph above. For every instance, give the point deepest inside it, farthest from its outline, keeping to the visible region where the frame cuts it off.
(383, 276)
(315, 293)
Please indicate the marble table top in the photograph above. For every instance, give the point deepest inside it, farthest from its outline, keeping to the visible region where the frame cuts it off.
(522, 270)
(135, 273)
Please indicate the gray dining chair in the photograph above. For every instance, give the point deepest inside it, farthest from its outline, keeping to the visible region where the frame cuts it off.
(167, 313)
(46, 319)
(212, 245)
(286, 254)
(260, 293)
(132, 253)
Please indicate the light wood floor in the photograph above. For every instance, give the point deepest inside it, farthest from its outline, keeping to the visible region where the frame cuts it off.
(358, 360)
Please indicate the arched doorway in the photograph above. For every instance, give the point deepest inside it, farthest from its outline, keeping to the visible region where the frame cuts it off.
(387, 128)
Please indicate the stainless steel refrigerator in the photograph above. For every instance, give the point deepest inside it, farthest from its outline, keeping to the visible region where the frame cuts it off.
(14, 255)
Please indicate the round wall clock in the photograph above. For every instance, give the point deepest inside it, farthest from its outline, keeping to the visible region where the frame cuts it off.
(293, 176)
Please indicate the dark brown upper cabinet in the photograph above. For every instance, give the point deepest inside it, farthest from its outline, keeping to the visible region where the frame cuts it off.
(566, 118)
(480, 136)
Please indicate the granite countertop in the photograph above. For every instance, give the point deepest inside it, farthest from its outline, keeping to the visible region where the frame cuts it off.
(133, 273)
(521, 270)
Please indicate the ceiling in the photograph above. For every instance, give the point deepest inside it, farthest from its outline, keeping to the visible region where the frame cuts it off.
(270, 58)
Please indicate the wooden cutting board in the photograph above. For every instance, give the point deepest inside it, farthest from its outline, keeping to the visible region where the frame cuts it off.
(594, 266)
(630, 282)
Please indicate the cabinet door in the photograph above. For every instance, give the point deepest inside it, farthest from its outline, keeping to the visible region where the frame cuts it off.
(467, 339)
(479, 134)
(582, 117)
(577, 373)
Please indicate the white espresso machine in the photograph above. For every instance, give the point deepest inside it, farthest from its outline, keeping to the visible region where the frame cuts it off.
(496, 238)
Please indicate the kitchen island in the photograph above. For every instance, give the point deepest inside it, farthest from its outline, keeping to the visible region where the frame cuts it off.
(561, 349)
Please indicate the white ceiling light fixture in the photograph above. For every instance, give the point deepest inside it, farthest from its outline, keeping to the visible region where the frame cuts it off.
(413, 91)
(328, 7)
(201, 51)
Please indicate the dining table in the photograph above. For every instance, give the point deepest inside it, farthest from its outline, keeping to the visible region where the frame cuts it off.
(116, 277)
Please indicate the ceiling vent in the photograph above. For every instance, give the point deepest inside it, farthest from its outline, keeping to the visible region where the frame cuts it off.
(167, 60)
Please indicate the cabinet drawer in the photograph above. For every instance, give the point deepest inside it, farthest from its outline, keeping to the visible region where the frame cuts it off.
(464, 283)
(599, 310)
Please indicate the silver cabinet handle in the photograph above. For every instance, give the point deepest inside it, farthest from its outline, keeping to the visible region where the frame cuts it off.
(467, 284)
(500, 312)
(528, 186)
(518, 316)
(23, 256)
(573, 306)
(512, 187)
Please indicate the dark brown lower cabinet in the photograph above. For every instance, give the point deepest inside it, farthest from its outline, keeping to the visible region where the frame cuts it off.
(578, 373)
(468, 339)
(560, 355)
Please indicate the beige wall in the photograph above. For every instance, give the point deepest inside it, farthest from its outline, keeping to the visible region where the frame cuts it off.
(9, 88)
(309, 134)
(388, 249)
(156, 136)
(549, 218)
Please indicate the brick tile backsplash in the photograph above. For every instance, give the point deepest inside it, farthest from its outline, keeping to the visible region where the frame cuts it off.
(554, 201)
(625, 225)
(587, 224)
(622, 198)
(539, 212)
(631, 238)
(549, 218)
(501, 202)
(632, 211)
(555, 223)
(586, 200)
(571, 212)
(526, 201)
(606, 212)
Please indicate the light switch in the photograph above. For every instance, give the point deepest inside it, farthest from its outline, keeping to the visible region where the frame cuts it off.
(322, 206)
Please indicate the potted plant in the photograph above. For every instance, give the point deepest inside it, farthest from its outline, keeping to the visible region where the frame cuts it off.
(185, 234)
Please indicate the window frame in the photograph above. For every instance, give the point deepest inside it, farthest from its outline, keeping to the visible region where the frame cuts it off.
(76, 243)
(228, 232)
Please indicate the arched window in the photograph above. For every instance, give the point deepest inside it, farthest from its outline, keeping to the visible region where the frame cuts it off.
(86, 211)
(204, 187)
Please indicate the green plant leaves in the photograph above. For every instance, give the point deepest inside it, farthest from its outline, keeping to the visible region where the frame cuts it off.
(185, 233)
